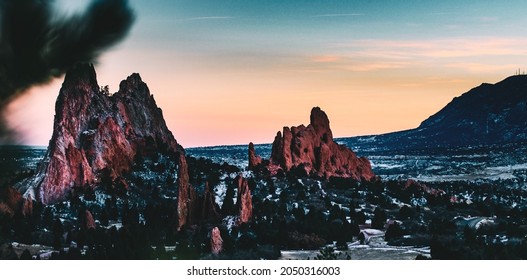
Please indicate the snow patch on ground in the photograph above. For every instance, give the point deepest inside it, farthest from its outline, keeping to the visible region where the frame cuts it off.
(386, 166)
(220, 191)
(229, 222)
(434, 167)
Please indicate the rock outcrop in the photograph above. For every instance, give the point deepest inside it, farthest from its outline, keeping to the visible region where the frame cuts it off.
(216, 242)
(254, 160)
(244, 200)
(187, 197)
(413, 186)
(12, 201)
(312, 150)
(5, 210)
(209, 208)
(27, 207)
(193, 208)
(87, 220)
(11, 197)
(96, 134)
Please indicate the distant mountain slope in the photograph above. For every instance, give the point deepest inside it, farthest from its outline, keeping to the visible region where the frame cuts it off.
(489, 113)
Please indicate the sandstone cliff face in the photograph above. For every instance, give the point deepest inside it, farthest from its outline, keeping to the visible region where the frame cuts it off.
(187, 197)
(313, 150)
(97, 134)
(244, 200)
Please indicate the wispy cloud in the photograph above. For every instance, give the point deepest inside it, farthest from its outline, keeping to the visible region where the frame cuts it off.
(338, 15)
(485, 54)
(190, 19)
(356, 63)
(474, 67)
(395, 58)
(440, 13)
(488, 19)
(325, 58)
(441, 48)
(209, 18)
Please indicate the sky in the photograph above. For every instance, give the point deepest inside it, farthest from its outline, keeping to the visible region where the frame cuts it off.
(237, 71)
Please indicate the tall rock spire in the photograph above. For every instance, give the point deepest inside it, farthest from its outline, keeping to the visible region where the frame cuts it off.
(96, 134)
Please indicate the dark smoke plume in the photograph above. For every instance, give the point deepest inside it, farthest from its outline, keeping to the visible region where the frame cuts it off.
(37, 44)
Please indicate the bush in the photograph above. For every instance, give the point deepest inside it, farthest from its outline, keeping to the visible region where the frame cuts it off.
(379, 218)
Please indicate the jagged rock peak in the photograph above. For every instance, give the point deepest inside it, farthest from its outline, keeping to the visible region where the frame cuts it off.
(81, 74)
(97, 135)
(320, 122)
(133, 85)
(312, 151)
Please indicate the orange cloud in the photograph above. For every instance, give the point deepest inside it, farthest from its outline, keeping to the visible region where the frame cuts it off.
(325, 58)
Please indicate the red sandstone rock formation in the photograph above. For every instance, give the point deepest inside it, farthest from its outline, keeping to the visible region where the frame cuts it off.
(187, 197)
(5, 210)
(244, 201)
(209, 209)
(95, 133)
(254, 160)
(216, 242)
(15, 202)
(87, 220)
(312, 149)
(414, 186)
(27, 207)
(11, 197)
(191, 208)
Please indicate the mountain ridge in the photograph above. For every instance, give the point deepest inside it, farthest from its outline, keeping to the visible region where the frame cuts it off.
(486, 114)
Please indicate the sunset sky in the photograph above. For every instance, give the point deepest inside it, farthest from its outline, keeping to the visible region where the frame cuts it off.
(231, 72)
